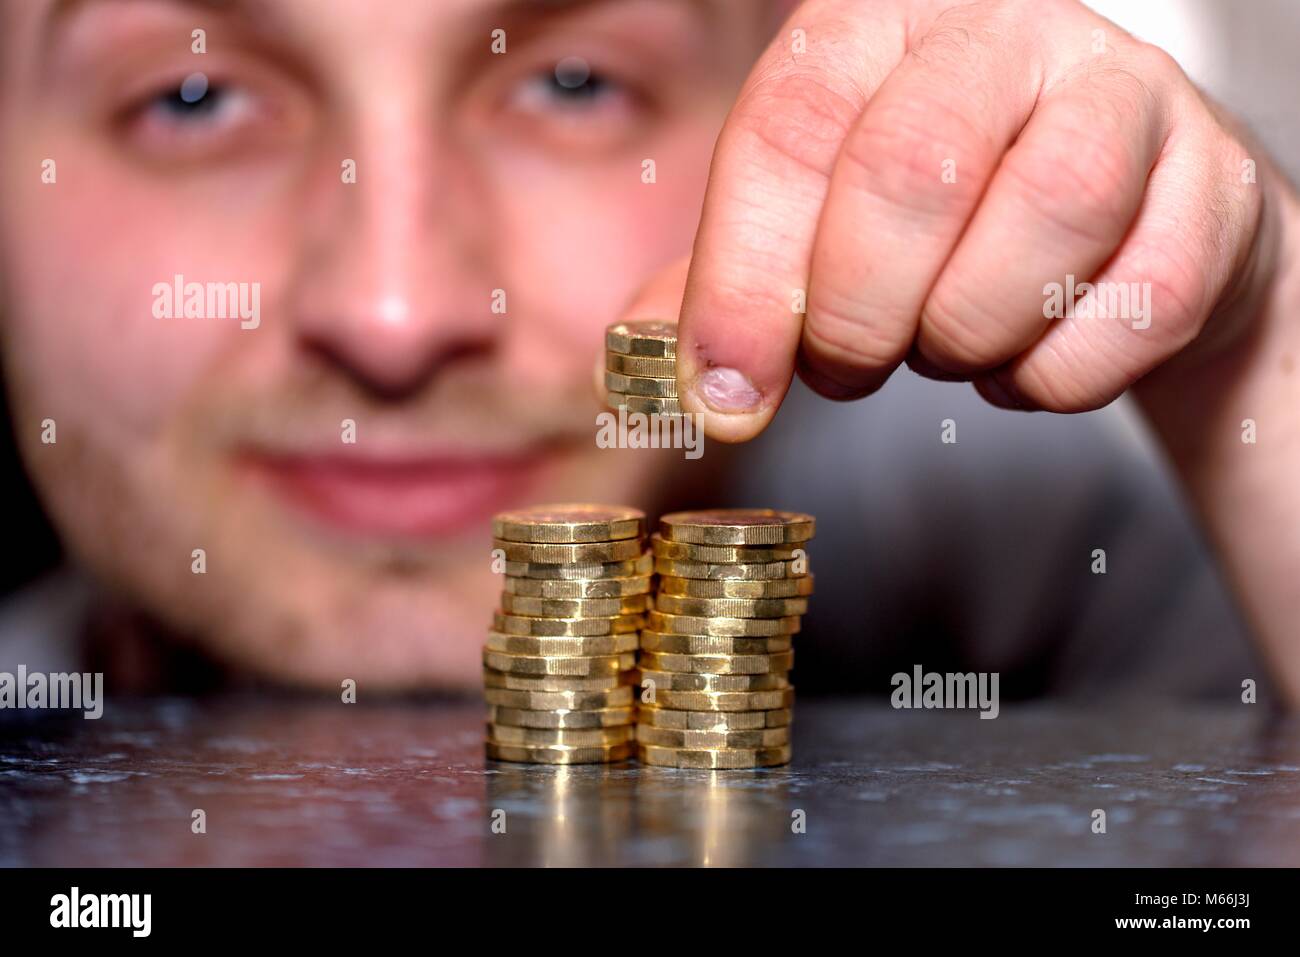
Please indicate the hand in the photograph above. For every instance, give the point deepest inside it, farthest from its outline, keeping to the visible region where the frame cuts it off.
(913, 181)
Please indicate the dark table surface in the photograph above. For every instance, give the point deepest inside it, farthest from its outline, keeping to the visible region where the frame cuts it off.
(294, 782)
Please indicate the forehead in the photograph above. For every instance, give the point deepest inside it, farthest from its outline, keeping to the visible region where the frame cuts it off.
(340, 25)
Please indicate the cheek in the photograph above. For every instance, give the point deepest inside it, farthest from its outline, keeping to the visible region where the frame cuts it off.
(80, 260)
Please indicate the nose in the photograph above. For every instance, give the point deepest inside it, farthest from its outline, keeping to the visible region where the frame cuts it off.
(391, 284)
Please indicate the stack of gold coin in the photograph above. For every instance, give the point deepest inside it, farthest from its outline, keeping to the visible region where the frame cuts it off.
(641, 367)
(716, 649)
(559, 667)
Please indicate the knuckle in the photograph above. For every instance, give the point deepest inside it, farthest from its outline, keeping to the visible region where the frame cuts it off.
(1157, 63)
(1179, 291)
(902, 148)
(1055, 379)
(1081, 187)
(958, 330)
(848, 336)
(802, 117)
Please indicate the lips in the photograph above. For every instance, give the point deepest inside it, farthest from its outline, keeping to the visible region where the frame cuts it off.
(400, 497)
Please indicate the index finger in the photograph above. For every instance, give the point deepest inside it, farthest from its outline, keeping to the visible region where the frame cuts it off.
(742, 315)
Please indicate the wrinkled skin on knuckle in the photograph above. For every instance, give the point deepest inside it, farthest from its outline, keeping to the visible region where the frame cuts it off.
(802, 117)
(954, 328)
(898, 154)
(1077, 183)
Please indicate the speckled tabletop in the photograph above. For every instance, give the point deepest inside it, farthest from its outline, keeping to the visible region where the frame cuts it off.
(293, 782)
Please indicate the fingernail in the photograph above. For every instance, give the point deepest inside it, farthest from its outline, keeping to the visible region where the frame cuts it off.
(727, 390)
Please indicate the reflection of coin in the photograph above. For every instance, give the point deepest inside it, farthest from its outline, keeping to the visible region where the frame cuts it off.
(712, 588)
(778, 663)
(678, 681)
(552, 718)
(713, 758)
(712, 720)
(569, 523)
(644, 338)
(712, 644)
(563, 700)
(737, 526)
(549, 737)
(670, 738)
(559, 754)
(580, 588)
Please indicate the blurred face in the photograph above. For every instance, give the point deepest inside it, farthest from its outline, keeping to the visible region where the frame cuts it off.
(350, 193)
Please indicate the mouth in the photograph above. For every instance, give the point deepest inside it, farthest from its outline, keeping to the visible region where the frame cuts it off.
(402, 497)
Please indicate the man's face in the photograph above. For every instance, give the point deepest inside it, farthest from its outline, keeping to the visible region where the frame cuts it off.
(374, 173)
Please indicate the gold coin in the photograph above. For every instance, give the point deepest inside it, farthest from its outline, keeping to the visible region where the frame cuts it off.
(705, 588)
(778, 663)
(712, 644)
(718, 758)
(724, 700)
(721, 554)
(569, 737)
(558, 646)
(644, 404)
(737, 526)
(571, 665)
(502, 679)
(762, 571)
(735, 627)
(559, 718)
(641, 385)
(559, 754)
(579, 588)
(560, 700)
(712, 740)
(651, 366)
(731, 607)
(647, 338)
(577, 627)
(581, 571)
(557, 524)
(573, 607)
(684, 681)
(585, 552)
(656, 717)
